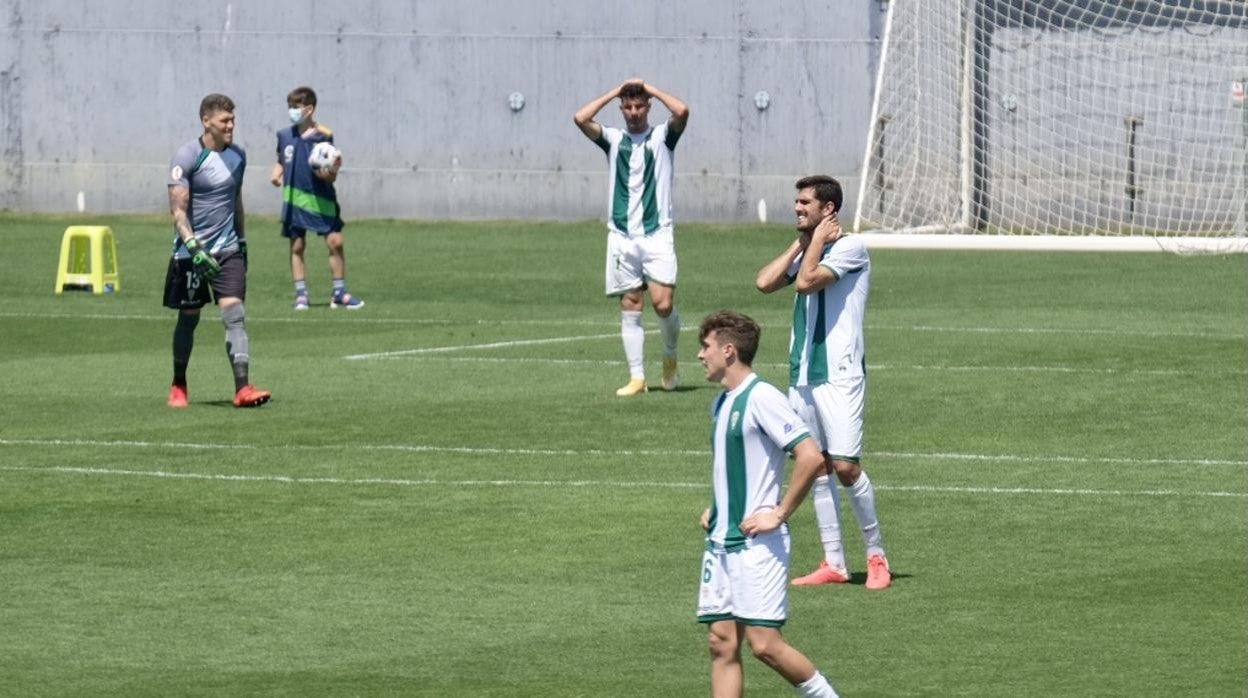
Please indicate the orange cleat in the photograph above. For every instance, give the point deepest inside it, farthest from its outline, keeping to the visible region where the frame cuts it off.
(824, 574)
(251, 396)
(177, 396)
(878, 574)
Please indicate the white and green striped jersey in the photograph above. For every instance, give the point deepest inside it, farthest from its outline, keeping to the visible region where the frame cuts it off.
(753, 428)
(640, 198)
(828, 341)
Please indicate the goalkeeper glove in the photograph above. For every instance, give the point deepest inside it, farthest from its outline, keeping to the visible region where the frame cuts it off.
(205, 266)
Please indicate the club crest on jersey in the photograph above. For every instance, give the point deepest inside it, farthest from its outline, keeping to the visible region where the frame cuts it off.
(732, 421)
(289, 153)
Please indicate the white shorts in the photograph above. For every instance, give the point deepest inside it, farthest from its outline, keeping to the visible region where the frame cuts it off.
(834, 413)
(750, 585)
(632, 261)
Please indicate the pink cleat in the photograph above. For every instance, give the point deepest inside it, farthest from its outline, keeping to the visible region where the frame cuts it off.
(251, 396)
(177, 396)
(878, 574)
(824, 574)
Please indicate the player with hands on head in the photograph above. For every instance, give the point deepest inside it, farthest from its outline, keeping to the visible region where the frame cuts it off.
(641, 250)
(743, 593)
(209, 247)
(831, 272)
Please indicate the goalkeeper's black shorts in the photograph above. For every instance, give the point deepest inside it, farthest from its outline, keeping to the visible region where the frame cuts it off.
(185, 289)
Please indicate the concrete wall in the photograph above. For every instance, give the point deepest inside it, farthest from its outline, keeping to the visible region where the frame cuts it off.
(95, 97)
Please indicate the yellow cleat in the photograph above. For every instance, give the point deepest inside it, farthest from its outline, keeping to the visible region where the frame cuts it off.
(636, 386)
(670, 377)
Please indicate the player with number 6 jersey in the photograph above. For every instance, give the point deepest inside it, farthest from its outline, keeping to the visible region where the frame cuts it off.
(743, 594)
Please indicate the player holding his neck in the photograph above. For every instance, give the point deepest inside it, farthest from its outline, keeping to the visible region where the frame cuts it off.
(745, 568)
(309, 200)
(641, 252)
(209, 259)
(827, 367)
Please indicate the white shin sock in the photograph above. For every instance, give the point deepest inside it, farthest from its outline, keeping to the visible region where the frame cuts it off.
(634, 336)
(827, 505)
(862, 497)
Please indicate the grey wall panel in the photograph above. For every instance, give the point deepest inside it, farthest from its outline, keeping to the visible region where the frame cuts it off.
(95, 97)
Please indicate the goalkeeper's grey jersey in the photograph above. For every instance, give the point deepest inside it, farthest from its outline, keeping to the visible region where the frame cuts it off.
(214, 180)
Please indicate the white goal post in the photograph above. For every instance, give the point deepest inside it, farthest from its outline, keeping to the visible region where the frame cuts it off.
(1059, 124)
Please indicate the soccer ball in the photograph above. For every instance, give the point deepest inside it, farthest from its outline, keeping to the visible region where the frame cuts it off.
(324, 155)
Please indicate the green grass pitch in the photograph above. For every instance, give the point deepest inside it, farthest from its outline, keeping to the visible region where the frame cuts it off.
(445, 498)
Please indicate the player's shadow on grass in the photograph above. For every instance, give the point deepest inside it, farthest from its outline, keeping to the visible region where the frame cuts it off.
(860, 578)
(685, 388)
(226, 403)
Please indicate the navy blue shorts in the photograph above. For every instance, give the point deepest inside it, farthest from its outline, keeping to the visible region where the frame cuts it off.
(294, 231)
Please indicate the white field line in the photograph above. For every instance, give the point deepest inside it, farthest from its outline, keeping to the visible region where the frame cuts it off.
(609, 323)
(402, 448)
(472, 347)
(1011, 458)
(433, 482)
(1060, 491)
(577, 453)
(352, 319)
(870, 367)
(1055, 330)
(285, 479)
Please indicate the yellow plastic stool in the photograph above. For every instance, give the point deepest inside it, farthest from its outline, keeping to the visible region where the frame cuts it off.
(88, 259)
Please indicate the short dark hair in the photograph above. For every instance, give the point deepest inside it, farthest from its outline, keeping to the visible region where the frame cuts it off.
(634, 90)
(826, 189)
(214, 103)
(303, 96)
(731, 327)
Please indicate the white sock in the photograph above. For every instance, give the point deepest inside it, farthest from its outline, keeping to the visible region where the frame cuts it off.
(816, 686)
(862, 497)
(669, 328)
(634, 336)
(827, 503)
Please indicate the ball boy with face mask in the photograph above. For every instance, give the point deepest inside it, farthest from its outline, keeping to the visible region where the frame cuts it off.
(309, 201)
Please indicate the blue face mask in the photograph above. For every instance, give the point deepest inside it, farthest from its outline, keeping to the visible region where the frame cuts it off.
(296, 115)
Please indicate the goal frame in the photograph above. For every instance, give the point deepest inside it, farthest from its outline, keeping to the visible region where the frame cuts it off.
(963, 236)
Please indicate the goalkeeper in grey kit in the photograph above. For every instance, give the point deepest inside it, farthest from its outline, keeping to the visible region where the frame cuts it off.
(209, 259)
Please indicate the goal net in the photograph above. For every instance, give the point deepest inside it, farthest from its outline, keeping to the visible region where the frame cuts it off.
(1117, 119)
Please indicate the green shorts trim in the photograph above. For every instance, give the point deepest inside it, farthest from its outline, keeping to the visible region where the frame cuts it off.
(743, 621)
(761, 623)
